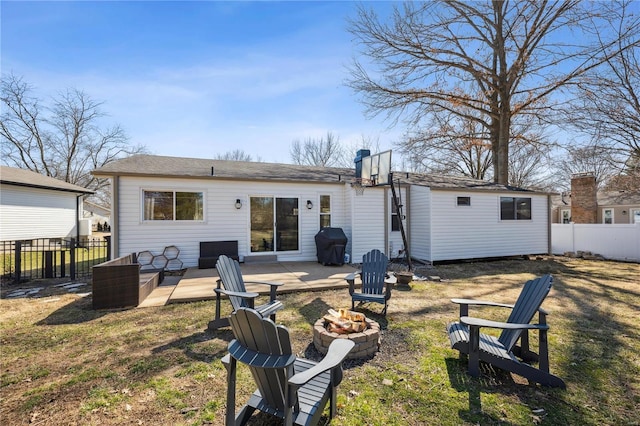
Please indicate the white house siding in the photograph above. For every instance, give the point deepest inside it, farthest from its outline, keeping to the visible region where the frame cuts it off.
(395, 237)
(368, 223)
(222, 221)
(29, 213)
(476, 231)
(420, 222)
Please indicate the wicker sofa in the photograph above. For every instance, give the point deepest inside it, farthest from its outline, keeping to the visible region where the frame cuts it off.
(120, 283)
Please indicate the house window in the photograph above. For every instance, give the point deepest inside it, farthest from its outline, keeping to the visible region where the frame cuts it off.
(325, 211)
(464, 201)
(635, 215)
(607, 216)
(566, 216)
(173, 205)
(515, 208)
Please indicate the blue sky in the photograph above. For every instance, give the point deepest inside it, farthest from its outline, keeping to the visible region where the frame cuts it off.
(197, 79)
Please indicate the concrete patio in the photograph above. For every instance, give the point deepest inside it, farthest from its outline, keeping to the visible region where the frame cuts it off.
(198, 284)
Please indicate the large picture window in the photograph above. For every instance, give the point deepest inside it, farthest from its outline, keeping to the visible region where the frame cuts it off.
(515, 208)
(173, 205)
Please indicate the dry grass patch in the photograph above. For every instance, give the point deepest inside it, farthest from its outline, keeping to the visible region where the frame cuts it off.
(63, 363)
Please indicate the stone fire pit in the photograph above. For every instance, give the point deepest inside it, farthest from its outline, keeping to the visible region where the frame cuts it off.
(367, 342)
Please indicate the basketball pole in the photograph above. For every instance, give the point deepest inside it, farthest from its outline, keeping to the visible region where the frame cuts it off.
(407, 255)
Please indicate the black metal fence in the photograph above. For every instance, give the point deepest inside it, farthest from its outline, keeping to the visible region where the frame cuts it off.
(28, 260)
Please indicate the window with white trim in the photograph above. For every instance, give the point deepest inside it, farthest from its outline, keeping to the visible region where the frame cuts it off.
(566, 216)
(607, 216)
(635, 215)
(515, 208)
(173, 205)
(325, 211)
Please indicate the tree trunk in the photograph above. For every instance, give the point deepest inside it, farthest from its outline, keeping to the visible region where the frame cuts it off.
(501, 163)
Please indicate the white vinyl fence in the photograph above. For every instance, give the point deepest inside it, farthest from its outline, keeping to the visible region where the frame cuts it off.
(619, 242)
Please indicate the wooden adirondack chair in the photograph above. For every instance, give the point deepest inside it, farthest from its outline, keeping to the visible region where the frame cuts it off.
(291, 388)
(376, 283)
(503, 352)
(234, 288)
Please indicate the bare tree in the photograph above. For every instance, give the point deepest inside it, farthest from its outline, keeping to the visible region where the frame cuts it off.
(498, 59)
(237, 155)
(607, 106)
(450, 144)
(348, 151)
(596, 159)
(457, 145)
(64, 140)
(530, 166)
(629, 178)
(325, 151)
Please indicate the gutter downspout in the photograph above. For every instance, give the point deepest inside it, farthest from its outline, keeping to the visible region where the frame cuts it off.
(78, 217)
(115, 217)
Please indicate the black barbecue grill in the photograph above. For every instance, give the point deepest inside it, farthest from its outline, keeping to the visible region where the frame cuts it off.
(330, 246)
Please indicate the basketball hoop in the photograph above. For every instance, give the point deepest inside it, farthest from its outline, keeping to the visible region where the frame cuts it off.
(359, 184)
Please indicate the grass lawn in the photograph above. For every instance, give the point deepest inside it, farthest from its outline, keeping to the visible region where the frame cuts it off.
(65, 364)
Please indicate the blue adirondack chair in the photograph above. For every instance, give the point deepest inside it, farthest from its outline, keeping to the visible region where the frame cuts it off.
(503, 351)
(376, 283)
(293, 389)
(234, 288)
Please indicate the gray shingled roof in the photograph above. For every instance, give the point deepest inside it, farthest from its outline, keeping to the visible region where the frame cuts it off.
(21, 177)
(153, 165)
(604, 198)
(453, 182)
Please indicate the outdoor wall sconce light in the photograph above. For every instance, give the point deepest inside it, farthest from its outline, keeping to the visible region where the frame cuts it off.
(624, 212)
(309, 204)
(238, 204)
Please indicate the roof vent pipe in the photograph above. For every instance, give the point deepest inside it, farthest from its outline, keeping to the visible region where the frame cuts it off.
(212, 174)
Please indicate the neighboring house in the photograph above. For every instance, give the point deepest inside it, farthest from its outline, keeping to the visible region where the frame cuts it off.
(37, 206)
(608, 207)
(276, 210)
(99, 216)
(588, 221)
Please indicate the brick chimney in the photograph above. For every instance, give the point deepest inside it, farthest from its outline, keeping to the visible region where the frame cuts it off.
(584, 205)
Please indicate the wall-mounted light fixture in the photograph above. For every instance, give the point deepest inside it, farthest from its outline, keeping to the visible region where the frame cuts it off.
(238, 204)
(624, 212)
(309, 204)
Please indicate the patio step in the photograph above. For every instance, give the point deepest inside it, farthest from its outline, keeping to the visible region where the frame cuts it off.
(261, 259)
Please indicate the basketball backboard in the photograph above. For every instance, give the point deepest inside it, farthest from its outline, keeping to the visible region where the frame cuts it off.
(377, 168)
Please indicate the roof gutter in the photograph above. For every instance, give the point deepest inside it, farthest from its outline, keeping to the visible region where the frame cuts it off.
(51, 188)
(340, 179)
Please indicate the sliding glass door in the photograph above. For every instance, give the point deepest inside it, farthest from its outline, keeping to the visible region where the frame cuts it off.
(274, 224)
